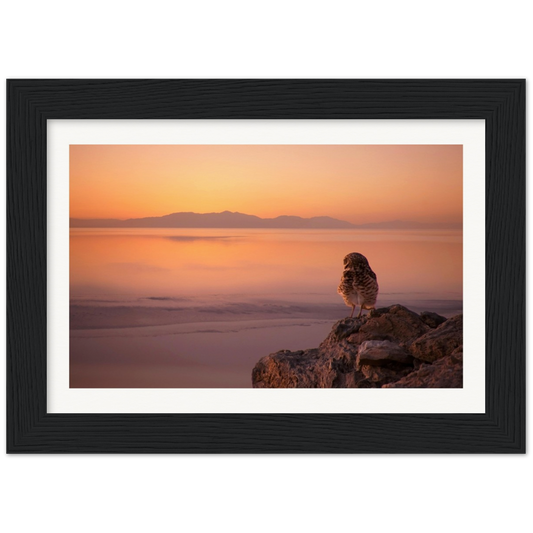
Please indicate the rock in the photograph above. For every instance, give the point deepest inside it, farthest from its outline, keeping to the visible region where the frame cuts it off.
(286, 369)
(383, 362)
(379, 376)
(390, 347)
(307, 369)
(446, 372)
(382, 353)
(433, 320)
(439, 342)
(344, 328)
(390, 323)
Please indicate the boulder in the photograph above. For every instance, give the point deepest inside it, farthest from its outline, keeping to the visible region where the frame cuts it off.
(439, 342)
(307, 369)
(383, 353)
(395, 323)
(446, 372)
(433, 320)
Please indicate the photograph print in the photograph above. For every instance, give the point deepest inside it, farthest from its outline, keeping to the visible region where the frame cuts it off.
(266, 266)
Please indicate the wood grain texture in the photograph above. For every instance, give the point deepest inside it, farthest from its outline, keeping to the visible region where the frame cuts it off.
(501, 103)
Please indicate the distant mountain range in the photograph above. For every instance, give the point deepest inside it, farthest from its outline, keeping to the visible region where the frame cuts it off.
(228, 219)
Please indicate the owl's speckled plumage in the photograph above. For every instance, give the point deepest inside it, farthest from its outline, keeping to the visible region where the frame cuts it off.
(359, 283)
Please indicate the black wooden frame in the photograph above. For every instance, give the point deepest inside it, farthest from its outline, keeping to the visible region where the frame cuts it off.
(30, 103)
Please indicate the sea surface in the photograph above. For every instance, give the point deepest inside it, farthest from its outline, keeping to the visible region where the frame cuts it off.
(199, 307)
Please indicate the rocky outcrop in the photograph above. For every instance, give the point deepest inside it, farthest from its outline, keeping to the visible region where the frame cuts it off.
(390, 347)
(439, 342)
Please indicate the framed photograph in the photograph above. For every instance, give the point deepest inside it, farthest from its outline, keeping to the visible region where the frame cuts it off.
(266, 266)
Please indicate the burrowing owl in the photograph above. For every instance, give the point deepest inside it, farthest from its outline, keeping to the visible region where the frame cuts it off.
(359, 284)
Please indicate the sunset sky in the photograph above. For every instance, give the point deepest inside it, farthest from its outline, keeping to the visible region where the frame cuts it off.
(356, 183)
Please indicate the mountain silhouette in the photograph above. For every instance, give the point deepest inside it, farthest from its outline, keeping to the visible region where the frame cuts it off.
(226, 219)
(229, 219)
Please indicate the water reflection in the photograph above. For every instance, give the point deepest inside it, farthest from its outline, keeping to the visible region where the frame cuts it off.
(159, 263)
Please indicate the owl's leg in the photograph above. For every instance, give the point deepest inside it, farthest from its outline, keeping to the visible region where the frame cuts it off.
(353, 309)
(360, 311)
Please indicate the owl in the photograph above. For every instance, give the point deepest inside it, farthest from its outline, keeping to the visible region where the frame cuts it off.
(359, 284)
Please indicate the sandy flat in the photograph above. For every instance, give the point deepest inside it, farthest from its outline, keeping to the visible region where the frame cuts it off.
(211, 354)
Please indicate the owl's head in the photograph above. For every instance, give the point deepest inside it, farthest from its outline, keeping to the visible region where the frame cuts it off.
(353, 259)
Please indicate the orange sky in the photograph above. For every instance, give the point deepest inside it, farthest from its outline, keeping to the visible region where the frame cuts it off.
(357, 183)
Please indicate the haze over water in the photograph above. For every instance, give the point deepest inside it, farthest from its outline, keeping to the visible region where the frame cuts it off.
(199, 307)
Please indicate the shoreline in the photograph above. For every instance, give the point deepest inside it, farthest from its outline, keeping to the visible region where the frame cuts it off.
(114, 317)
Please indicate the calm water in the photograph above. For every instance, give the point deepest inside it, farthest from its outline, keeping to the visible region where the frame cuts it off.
(199, 307)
